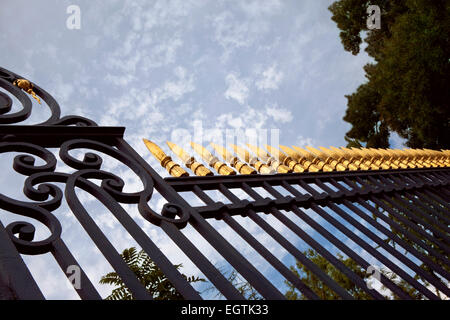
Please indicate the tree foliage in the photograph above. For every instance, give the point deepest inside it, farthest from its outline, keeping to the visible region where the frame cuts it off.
(150, 275)
(240, 283)
(325, 293)
(322, 290)
(407, 87)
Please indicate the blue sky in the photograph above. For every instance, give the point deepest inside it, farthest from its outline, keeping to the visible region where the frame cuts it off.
(159, 67)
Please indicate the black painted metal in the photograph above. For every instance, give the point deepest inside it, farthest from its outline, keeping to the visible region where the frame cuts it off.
(354, 212)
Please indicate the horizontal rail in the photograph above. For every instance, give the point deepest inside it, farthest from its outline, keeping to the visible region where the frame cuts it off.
(181, 184)
(53, 136)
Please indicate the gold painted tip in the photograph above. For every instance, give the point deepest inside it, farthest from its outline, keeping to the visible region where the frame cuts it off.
(154, 149)
(194, 145)
(183, 155)
(241, 152)
(290, 152)
(222, 151)
(303, 153)
(285, 149)
(173, 168)
(277, 153)
(258, 151)
(202, 151)
(174, 147)
(313, 150)
(171, 144)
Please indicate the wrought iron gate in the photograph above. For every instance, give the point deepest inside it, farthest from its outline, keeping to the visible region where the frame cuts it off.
(410, 207)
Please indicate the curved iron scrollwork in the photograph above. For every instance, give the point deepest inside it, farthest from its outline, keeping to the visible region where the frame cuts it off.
(37, 187)
(46, 196)
(25, 164)
(7, 79)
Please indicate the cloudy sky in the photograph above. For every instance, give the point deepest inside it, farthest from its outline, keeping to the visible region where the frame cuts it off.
(164, 68)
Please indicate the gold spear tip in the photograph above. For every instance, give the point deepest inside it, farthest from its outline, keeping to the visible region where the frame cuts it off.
(183, 155)
(176, 149)
(315, 151)
(222, 151)
(157, 152)
(285, 149)
(202, 151)
(171, 145)
(257, 150)
(302, 152)
(243, 153)
(273, 150)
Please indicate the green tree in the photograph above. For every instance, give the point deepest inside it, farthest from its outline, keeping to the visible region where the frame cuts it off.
(407, 87)
(325, 293)
(242, 285)
(148, 274)
(313, 282)
(431, 219)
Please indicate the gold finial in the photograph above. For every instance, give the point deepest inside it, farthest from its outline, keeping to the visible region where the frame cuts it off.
(392, 158)
(166, 161)
(339, 157)
(376, 158)
(271, 161)
(234, 161)
(364, 158)
(346, 159)
(305, 163)
(196, 167)
(418, 158)
(212, 161)
(253, 161)
(408, 159)
(386, 158)
(395, 158)
(316, 161)
(286, 160)
(26, 86)
(354, 158)
(434, 158)
(333, 163)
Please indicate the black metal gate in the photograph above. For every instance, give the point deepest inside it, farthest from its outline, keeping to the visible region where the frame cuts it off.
(410, 207)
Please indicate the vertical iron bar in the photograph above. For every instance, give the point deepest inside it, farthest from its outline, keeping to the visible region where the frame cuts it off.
(15, 278)
(397, 239)
(340, 245)
(412, 226)
(319, 248)
(216, 240)
(266, 254)
(290, 248)
(65, 259)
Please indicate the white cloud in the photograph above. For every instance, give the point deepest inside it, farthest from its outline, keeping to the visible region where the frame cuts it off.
(279, 114)
(232, 33)
(174, 89)
(237, 88)
(229, 32)
(270, 80)
(302, 141)
(256, 8)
